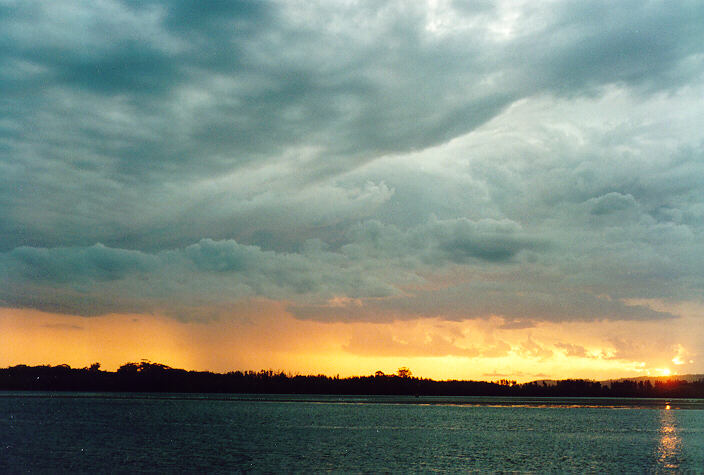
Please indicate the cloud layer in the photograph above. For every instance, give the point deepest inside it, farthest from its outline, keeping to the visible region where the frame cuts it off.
(357, 160)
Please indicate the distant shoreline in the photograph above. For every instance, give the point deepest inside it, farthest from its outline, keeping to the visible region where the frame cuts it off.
(150, 377)
(670, 403)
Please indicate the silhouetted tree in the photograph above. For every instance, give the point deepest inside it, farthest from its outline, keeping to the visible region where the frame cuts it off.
(404, 372)
(148, 376)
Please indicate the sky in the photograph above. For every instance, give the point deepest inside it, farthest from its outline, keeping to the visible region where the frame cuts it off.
(472, 189)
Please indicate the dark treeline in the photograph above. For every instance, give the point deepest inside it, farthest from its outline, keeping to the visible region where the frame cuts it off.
(154, 377)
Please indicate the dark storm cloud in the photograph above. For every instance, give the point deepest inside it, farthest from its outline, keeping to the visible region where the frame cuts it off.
(611, 203)
(589, 43)
(299, 150)
(101, 279)
(438, 242)
(164, 91)
(489, 241)
(96, 263)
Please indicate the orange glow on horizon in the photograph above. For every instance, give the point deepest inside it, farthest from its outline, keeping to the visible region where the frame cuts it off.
(262, 335)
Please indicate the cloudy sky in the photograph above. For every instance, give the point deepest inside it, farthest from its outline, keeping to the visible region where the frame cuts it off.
(473, 189)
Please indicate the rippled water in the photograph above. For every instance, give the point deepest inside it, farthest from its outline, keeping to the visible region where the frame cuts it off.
(205, 433)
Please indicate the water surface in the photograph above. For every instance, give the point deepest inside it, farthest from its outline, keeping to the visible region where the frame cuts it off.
(90, 432)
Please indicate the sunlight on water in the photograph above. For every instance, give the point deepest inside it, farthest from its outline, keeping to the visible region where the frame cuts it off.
(201, 433)
(670, 446)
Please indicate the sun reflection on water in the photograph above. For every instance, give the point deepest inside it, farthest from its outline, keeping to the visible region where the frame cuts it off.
(670, 444)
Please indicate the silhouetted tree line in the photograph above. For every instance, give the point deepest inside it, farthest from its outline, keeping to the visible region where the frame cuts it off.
(154, 377)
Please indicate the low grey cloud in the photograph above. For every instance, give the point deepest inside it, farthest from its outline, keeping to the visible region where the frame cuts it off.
(75, 265)
(377, 262)
(456, 240)
(612, 203)
(483, 300)
(516, 324)
(451, 159)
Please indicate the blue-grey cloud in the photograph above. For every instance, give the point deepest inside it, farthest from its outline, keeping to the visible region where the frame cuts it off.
(96, 263)
(102, 280)
(373, 151)
(611, 203)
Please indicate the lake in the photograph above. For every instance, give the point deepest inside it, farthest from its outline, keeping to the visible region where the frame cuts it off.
(91, 432)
